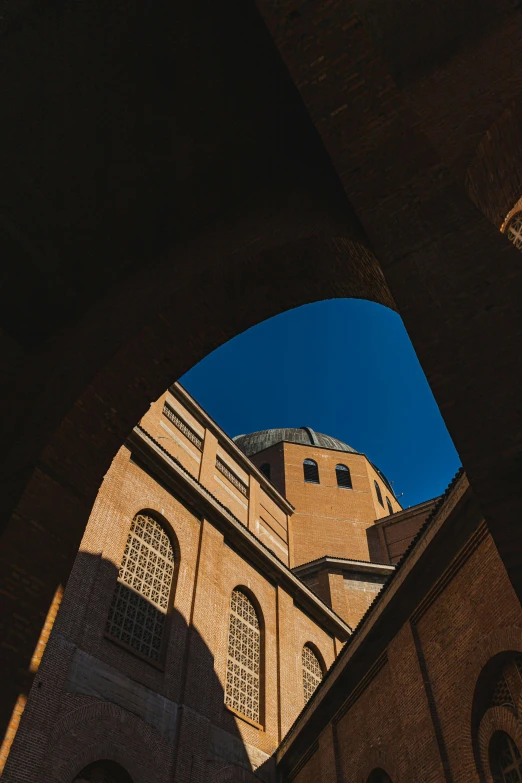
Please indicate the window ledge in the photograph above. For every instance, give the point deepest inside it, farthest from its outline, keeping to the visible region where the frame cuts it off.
(128, 648)
(244, 718)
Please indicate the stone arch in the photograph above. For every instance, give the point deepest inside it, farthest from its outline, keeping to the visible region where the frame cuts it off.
(379, 758)
(101, 725)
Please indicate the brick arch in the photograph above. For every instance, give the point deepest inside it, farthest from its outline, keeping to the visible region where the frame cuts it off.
(380, 757)
(496, 719)
(497, 641)
(99, 720)
(493, 178)
(317, 652)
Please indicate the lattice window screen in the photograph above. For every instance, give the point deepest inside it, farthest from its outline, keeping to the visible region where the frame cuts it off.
(140, 600)
(244, 658)
(514, 230)
(312, 672)
(502, 695)
(509, 761)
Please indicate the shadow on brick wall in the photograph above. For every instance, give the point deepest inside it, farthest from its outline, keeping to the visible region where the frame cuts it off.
(100, 710)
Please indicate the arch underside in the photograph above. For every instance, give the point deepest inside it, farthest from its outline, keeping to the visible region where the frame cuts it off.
(139, 242)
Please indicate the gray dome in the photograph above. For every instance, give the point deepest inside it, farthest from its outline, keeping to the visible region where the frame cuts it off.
(257, 441)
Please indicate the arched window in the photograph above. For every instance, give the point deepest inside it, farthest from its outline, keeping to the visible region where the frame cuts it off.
(344, 478)
(379, 776)
(312, 672)
(242, 691)
(141, 597)
(379, 493)
(514, 230)
(390, 509)
(103, 772)
(504, 759)
(265, 468)
(311, 471)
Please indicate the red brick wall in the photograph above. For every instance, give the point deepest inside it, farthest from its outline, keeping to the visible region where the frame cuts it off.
(62, 731)
(413, 718)
(389, 538)
(329, 520)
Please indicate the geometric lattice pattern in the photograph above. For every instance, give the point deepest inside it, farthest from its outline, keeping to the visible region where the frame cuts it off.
(502, 695)
(235, 480)
(141, 597)
(183, 427)
(509, 761)
(312, 672)
(514, 230)
(244, 658)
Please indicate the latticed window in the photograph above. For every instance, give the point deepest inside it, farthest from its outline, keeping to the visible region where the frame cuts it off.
(502, 695)
(141, 597)
(312, 672)
(344, 478)
(242, 692)
(311, 471)
(514, 230)
(506, 764)
(379, 493)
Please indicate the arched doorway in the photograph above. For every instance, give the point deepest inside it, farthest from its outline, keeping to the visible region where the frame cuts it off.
(103, 772)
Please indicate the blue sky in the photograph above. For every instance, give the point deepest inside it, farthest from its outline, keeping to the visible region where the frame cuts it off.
(344, 367)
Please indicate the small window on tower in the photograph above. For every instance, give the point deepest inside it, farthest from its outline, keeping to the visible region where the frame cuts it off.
(379, 493)
(265, 468)
(390, 509)
(311, 471)
(344, 478)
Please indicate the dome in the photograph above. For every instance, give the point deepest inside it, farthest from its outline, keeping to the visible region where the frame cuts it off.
(257, 441)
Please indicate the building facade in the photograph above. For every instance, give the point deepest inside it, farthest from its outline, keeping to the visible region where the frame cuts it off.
(263, 608)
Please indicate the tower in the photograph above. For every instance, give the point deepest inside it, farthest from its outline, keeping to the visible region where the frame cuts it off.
(338, 494)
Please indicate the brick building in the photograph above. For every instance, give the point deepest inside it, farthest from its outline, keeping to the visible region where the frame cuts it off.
(220, 582)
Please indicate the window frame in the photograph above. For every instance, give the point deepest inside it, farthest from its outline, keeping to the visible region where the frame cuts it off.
(165, 526)
(341, 470)
(311, 463)
(378, 492)
(259, 724)
(319, 658)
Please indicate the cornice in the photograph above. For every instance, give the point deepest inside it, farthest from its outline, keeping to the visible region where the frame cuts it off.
(344, 564)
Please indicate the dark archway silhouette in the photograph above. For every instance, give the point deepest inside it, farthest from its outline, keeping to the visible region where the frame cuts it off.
(103, 772)
(379, 776)
(138, 239)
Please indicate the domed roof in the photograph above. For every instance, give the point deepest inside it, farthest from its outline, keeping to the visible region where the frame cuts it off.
(257, 441)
